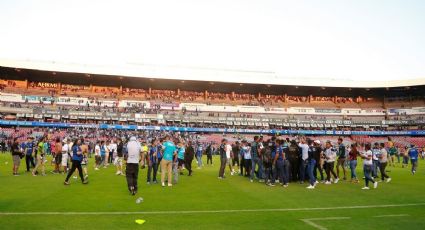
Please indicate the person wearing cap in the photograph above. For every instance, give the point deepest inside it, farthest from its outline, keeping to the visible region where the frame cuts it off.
(413, 154)
(132, 170)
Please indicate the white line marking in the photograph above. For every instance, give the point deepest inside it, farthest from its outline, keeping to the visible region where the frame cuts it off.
(320, 227)
(211, 211)
(393, 215)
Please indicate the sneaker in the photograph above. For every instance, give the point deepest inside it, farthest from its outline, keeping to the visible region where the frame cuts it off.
(328, 182)
(170, 185)
(148, 183)
(261, 181)
(365, 188)
(388, 180)
(310, 187)
(85, 182)
(336, 180)
(163, 184)
(375, 185)
(251, 180)
(96, 169)
(231, 173)
(271, 185)
(66, 183)
(85, 177)
(118, 173)
(285, 185)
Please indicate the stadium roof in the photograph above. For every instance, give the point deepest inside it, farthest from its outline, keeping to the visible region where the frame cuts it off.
(138, 70)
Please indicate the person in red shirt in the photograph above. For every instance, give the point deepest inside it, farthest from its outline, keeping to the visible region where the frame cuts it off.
(352, 155)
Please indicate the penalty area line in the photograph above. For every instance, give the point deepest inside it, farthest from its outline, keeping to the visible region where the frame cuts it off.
(211, 211)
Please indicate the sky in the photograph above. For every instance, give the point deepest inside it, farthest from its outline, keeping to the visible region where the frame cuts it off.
(340, 39)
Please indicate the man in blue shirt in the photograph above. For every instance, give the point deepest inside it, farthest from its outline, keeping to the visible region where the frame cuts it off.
(413, 154)
(152, 162)
(167, 160)
(29, 152)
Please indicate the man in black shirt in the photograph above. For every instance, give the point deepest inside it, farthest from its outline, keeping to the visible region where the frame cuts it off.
(319, 159)
(235, 158)
(223, 158)
(189, 153)
(294, 158)
(16, 155)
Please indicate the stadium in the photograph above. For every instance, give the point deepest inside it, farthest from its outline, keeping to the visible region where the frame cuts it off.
(131, 145)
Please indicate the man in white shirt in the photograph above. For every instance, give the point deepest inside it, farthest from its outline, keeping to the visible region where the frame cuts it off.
(66, 149)
(330, 154)
(133, 158)
(383, 161)
(97, 157)
(229, 157)
(367, 167)
(304, 156)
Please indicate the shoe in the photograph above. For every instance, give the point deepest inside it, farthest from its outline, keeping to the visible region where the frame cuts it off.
(148, 183)
(75, 177)
(251, 180)
(261, 181)
(170, 185)
(310, 187)
(375, 185)
(315, 183)
(328, 182)
(155, 182)
(96, 169)
(285, 185)
(66, 183)
(271, 185)
(365, 188)
(388, 180)
(163, 184)
(118, 173)
(336, 180)
(231, 173)
(85, 177)
(85, 182)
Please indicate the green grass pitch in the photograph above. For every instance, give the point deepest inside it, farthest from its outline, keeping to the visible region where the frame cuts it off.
(204, 202)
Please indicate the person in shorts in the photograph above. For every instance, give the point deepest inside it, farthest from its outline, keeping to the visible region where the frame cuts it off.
(118, 157)
(341, 158)
(180, 156)
(17, 154)
(57, 151)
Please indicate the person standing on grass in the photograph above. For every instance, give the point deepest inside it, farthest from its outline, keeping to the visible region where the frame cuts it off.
(119, 156)
(235, 159)
(17, 154)
(229, 158)
(40, 158)
(367, 167)
(256, 159)
(97, 156)
(132, 157)
(65, 154)
(311, 163)
(246, 152)
(392, 151)
(58, 155)
(330, 154)
(242, 160)
(304, 159)
(180, 157)
(293, 160)
(383, 161)
(352, 156)
(85, 161)
(29, 152)
(199, 150)
(77, 158)
(223, 159)
(167, 161)
(268, 163)
(209, 151)
(278, 162)
(341, 158)
(319, 160)
(103, 154)
(405, 155)
(413, 154)
(376, 151)
(189, 153)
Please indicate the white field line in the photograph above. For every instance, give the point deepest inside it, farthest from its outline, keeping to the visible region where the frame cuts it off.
(320, 227)
(392, 215)
(211, 211)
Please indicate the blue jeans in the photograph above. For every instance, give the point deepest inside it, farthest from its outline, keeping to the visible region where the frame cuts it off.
(199, 159)
(414, 164)
(303, 167)
(367, 169)
(311, 166)
(353, 165)
(257, 161)
(375, 168)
